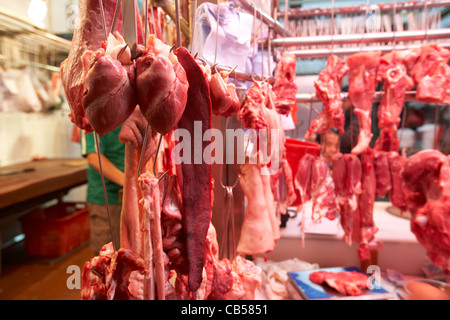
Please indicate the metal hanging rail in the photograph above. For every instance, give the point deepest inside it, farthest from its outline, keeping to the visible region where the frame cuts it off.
(265, 18)
(414, 35)
(311, 98)
(244, 75)
(324, 53)
(383, 7)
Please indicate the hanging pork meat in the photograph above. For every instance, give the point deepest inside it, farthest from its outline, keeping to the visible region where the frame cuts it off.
(196, 178)
(88, 37)
(362, 83)
(161, 86)
(328, 89)
(428, 66)
(284, 87)
(426, 178)
(396, 81)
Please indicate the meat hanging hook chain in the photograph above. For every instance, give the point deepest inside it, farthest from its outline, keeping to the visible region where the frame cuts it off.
(217, 31)
(115, 16)
(97, 145)
(103, 19)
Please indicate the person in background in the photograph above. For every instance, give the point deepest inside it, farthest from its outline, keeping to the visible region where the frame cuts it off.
(112, 153)
(329, 144)
(351, 126)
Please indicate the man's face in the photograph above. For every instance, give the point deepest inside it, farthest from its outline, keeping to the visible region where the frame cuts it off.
(330, 145)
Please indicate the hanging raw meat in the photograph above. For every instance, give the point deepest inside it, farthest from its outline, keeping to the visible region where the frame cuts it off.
(382, 173)
(328, 89)
(161, 86)
(224, 99)
(284, 87)
(107, 276)
(362, 84)
(109, 96)
(252, 108)
(428, 67)
(88, 36)
(196, 177)
(396, 81)
(426, 176)
(257, 230)
(322, 191)
(302, 180)
(367, 228)
(396, 166)
(347, 179)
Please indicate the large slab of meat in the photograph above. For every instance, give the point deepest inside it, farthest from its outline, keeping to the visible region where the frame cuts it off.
(396, 166)
(88, 37)
(257, 231)
(107, 276)
(382, 173)
(350, 283)
(366, 201)
(161, 86)
(428, 66)
(322, 191)
(347, 180)
(284, 87)
(328, 89)
(196, 178)
(362, 82)
(426, 176)
(396, 81)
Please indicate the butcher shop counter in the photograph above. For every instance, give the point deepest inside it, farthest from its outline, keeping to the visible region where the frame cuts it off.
(324, 244)
(28, 184)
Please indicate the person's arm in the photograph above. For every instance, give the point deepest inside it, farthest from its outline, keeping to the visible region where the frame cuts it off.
(110, 171)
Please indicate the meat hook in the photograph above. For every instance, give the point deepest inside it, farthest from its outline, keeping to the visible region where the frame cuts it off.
(115, 16)
(97, 144)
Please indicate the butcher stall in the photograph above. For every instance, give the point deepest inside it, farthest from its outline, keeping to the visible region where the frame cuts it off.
(270, 150)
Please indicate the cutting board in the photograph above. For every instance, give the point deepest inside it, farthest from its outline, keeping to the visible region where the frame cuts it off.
(311, 291)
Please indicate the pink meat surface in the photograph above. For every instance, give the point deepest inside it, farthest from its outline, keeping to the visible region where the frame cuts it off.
(107, 276)
(382, 173)
(88, 36)
(347, 180)
(350, 283)
(328, 89)
(396, 81)
(426, 177)
(109, 96)
(284, 87)
(367, 228)
(396, 166)
(303, 176)
(428, 67)
(257, 231)
(252, 108)
(322, 191)
(196, 178)
(161, 85)
(362, 83)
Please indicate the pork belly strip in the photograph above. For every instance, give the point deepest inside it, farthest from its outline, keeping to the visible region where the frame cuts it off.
(196, 185)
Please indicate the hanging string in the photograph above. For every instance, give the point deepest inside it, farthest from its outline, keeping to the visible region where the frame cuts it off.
(217, 31)
(227, 247)
(395, 24)
(364, 25)
(332, 26)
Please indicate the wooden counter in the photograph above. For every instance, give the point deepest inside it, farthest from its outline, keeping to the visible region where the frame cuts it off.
(30, 183)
